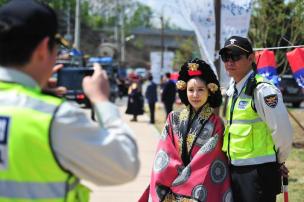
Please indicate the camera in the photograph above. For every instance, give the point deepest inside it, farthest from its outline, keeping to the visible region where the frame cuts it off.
(71, 78)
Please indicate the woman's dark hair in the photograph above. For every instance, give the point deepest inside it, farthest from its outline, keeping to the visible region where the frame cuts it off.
(207, 75)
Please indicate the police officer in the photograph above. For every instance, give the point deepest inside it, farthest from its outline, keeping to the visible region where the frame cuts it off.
(258, 134)
(48, 144)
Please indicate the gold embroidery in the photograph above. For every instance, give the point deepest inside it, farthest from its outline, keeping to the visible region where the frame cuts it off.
(190, 140)
(172, 197)
(184, 115)
(206, 112)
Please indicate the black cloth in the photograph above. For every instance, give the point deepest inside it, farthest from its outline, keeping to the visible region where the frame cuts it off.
(151, 96)
(168, 95)
(135, 103)
(152, 112)
(256, 183)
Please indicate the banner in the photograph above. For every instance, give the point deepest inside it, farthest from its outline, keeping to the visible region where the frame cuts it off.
(155, 61)
(200, 15)
(296, 62)
(267, 66)
(235, 20)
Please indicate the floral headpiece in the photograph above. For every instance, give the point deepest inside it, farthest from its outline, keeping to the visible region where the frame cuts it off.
(212, 87)
(193, 69)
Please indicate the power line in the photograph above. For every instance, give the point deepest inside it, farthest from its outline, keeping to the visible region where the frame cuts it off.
(278, 47)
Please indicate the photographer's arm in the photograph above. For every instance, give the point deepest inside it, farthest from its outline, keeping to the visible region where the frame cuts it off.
(105, 154)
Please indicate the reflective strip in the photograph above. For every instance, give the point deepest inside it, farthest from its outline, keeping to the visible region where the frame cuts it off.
(25, 101)
(254, 161)
(247, 121)
(30, 190)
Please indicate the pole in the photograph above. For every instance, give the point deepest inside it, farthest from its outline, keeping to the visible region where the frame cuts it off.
(77, 26)
(162, 43)
(217, 62)
(285, 189)
(122, 33)
(117, 33)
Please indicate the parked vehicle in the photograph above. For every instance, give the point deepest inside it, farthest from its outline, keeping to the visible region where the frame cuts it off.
(291, 91)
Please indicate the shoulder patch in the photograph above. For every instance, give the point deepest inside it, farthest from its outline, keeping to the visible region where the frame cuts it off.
(271, 100)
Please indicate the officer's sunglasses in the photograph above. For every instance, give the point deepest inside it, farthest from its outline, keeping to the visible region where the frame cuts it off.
(234, 57)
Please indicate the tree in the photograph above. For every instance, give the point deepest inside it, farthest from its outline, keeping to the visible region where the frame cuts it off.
(276, 26)
(186, 51)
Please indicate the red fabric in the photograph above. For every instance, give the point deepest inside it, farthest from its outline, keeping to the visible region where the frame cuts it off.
(200, 165)
(194, 73)
(265, 58)
(174, 76)
(296, 59)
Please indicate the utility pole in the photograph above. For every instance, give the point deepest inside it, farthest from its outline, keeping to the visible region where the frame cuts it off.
(116, 29)
(162, 43)
(217, 62)
(77, 26)
(122, 33)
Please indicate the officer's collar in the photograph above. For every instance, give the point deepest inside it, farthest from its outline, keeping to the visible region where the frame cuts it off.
(239, 85)
(243, 81)
(13, 75)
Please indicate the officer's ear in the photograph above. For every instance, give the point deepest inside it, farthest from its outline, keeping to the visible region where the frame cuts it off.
(41, 52)
(251, 58)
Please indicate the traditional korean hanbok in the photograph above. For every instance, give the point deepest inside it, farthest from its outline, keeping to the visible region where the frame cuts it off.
(189, 164)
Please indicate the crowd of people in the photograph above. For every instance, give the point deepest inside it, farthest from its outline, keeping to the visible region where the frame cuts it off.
(198, 157)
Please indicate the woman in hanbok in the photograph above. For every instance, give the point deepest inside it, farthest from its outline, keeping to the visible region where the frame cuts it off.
(189, 164)
(135, 104)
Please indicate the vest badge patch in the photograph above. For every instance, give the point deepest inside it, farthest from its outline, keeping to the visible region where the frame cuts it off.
(4, 133)
(242, 104)
(271, 100)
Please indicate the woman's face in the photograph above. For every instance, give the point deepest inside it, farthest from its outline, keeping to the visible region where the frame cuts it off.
(197, 93)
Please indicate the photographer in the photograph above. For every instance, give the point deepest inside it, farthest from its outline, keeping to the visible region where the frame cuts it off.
(46, 143)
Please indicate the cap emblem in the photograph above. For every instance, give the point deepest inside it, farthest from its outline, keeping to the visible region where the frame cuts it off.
(232, 41)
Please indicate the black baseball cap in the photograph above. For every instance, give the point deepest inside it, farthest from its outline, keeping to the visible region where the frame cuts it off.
(23, 19)
(237, 44)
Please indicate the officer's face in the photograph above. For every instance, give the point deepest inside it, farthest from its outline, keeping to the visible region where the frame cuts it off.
(197, 93)
(237, 65)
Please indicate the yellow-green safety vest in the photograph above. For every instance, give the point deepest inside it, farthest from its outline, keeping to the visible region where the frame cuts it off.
(247, 138)
(29, 170)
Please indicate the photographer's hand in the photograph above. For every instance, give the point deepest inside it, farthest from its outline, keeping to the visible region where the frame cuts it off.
(96, 87)
(51, 86)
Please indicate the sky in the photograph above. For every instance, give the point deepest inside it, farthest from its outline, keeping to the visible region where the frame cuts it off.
(170, 10)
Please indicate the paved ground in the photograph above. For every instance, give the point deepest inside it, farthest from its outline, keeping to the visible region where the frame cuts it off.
(147, 138)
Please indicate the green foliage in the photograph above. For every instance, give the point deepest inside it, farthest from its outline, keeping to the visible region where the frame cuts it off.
(140, 18)
(186, 51)
(3, 2)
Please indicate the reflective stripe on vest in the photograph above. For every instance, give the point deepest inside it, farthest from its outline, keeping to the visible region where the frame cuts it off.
(28, 190)
(248, 137)
(29, 170)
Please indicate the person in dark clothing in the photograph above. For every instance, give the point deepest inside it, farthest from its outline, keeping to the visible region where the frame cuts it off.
(151, 96)
(168, 93)
(135, 101)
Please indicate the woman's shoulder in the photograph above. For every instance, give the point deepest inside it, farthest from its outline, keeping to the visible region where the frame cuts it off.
(216, 119)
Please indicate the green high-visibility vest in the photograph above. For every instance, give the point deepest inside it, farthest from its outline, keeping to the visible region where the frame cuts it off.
(29, 170)
(247, 138)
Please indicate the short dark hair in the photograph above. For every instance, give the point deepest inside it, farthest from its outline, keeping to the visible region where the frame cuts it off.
(168, 75)
(207, 75)
(23, 25)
